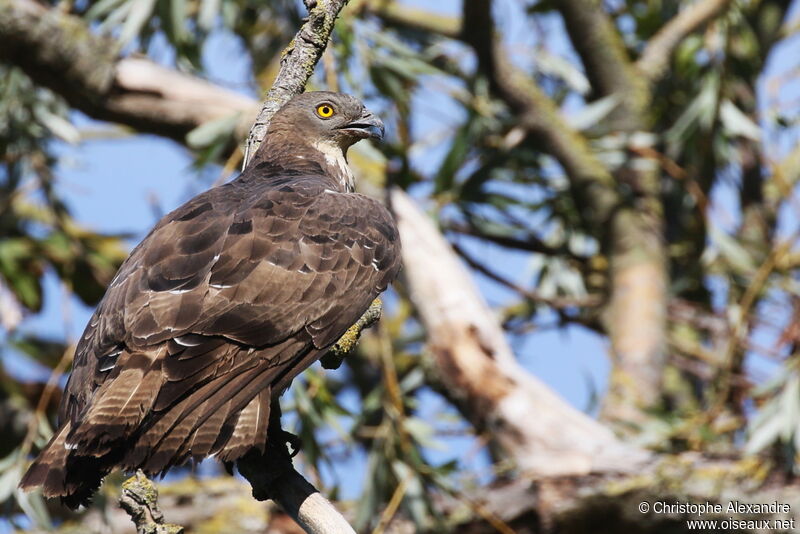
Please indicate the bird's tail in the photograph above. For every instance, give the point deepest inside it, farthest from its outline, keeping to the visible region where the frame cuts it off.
(60, 474)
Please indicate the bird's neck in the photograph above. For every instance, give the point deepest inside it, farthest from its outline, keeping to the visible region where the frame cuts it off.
(280, 155)
(335, 161)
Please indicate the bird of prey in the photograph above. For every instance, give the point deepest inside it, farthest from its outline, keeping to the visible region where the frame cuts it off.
(224, 302)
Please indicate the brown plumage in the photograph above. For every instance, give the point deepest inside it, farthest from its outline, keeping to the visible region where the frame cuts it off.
(227, 299)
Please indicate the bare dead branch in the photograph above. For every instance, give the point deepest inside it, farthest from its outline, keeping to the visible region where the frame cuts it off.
(478, 367)
(655, 59)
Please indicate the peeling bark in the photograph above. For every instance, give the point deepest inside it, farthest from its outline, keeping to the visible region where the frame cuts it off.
(537, 429)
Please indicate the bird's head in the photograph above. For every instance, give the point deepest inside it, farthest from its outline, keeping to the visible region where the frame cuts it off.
(329, 118)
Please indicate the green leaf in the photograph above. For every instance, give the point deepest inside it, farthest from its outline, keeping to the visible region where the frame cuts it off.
(138, 16)
(737, 123)
(732, 251)
(102, 8)
(591, 114)
(212, 132)
(559, 67)
(767, 431)
(454, 160)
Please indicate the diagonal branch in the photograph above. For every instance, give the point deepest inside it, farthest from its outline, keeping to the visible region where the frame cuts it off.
(297, 65)
(399, 15)
(592, 185)
(557, 303)
(605, 59)
(477, 366)
(59, 52)
(655, 58)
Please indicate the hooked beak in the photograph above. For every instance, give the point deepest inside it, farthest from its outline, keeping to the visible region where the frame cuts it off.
(366, 126)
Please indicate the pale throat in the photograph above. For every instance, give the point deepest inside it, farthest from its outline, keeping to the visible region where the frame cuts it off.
(337, 161)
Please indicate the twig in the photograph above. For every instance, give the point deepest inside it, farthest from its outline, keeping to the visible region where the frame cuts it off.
(140, 500)
(47, 393)
(530, 243)
(554, 302)
(740, 328)
(391, 508)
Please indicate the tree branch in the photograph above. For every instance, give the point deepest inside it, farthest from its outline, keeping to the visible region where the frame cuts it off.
(297, 65)
(605, 59)
(272, 476)
(592, 185)
(469, 345)
(554, 302)
(140, 500)
(655, 58)
(411, 18)
(479, 369)
(635, 318)
(530, 243)
(59, 52)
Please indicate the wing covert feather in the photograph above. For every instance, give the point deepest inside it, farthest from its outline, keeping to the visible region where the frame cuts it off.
(250, 262)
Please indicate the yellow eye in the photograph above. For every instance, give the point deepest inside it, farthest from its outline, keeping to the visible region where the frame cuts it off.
(325, 111)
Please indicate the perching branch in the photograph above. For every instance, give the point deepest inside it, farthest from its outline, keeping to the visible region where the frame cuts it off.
(654, 60)
(140, 500)
(272, 476)
(283, 484)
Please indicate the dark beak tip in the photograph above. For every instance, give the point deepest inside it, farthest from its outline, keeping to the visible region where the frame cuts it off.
(376, 131)
(367, 126)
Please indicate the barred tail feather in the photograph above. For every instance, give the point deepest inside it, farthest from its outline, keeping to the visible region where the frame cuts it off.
(59, 474)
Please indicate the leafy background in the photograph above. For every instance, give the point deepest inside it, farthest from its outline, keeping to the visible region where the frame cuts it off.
(381, 432)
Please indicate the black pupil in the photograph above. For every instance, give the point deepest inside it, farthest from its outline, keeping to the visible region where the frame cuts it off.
(325, 110)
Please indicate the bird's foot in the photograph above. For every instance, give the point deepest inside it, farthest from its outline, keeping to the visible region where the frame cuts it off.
(347, 343)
